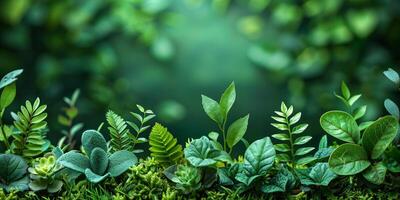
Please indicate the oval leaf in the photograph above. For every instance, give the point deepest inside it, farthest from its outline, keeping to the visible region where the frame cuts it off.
(212, 109)
(236, 131)
(340, 125)
(349, 159)
(379, 135)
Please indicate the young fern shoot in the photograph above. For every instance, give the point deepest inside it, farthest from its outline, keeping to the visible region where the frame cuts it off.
(119, 132)
(290, 149)
(67, 121)
(143, 117)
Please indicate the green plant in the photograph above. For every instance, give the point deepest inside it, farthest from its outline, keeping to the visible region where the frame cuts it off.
(97, 165)
(119, 133)
(13, 173)
(283, 181)
(201, 153)
(290, 152)
(143, 117)
(318, 175)
(218, 112)
(6, 98)
(44, 175)
(67, 121)
(258, 159)
(391, 106)
(187, 178)
(349, 101)
(164, 147)
(363, 155)
(29, 141)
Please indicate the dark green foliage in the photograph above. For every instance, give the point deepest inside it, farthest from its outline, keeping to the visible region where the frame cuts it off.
(291, 152)
(319, 175)
(283, 181)
(187, 178)
(119, 133)
(30, 140)
(97, 164)
(164, 147)
(201, 153)
(13, 173)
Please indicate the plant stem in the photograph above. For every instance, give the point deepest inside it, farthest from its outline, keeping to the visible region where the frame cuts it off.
(293, 163)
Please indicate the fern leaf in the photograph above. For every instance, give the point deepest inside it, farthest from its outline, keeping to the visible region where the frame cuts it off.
(30, 140)
(164, 147)
(118, 131)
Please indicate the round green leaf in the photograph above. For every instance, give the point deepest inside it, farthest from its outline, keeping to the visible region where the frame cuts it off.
(92, 139)
(379, 135)
(349, 159)
(98, 161)
(74, 161)
(340, 125)
(120, 161)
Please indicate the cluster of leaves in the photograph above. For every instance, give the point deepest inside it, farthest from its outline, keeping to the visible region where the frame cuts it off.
(172, 172)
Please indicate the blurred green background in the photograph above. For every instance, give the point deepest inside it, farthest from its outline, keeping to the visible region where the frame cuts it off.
(163, 54)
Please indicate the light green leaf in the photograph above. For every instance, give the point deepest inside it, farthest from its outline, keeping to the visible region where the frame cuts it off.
(345, 90)
(236, 131)
(359, 112)
(349, 159)
(258, 159)
(302, 140)
(7, 96)
(299, 128)
(281, 136)
(303, 151)
(379, 135)
(227, 99)
(376, 173)
(212, 109)
(10, 78)
(340, 125)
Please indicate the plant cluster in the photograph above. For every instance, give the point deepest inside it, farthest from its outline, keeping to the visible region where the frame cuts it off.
(363, 161)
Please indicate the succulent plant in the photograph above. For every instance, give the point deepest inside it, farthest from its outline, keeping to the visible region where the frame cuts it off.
(97, 164)
(187, 178)
(13, 173)
(44, 175)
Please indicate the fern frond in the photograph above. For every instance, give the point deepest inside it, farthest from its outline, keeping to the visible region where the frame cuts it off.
(118, 131)
(30, 140)
(164, 147)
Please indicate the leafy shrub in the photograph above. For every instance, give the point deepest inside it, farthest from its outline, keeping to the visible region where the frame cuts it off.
(13, 173)
(97, 165)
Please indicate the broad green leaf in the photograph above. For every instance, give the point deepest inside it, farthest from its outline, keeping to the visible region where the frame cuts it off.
(201, 153)
(120, 161)
(93, 177)
(10, 78)
(258, 159)
(281, 182)
(349, 159)
(74, 161)
(320, 174)
(236, 131)
(7, 96)
(392, 108)
(376, 173)
(12, 167)
(98, 161)
(340, 125)
(212, 109)
(92, 139)
(379, 135)
(227, 99)
(392, 75)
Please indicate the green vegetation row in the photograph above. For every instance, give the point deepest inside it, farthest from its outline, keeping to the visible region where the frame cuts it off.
(363, 161)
